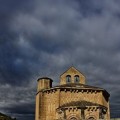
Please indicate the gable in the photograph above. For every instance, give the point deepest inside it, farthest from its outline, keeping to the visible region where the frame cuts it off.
(72, 72)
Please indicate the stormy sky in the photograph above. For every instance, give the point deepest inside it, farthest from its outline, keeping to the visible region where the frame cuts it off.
(45, 37)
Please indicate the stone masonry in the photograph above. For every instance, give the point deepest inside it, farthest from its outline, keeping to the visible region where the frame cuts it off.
(71, 100)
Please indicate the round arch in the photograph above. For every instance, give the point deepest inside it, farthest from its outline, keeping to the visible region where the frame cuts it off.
(91, 118)
(73, 117)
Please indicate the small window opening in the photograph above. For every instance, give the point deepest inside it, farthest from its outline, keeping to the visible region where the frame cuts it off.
(68, 78)
(76, 79)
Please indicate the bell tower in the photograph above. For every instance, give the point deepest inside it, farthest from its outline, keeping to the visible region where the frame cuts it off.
(44, 83)
(72, 75)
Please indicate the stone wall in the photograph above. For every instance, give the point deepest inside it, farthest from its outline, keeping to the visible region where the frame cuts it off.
(73, 95)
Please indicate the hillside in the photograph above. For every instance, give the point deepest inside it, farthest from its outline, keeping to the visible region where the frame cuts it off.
(5, 117)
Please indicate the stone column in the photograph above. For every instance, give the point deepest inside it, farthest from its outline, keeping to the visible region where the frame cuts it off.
(64, 114)
(100, 113)
(82, 114)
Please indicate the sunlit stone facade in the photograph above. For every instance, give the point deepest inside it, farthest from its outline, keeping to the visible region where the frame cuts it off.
(71, 100)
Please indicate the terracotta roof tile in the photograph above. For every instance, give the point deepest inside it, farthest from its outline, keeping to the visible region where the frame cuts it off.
(78, 85)
(80, 104)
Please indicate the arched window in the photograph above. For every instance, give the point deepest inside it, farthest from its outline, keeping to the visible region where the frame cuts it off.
(76, 79)
(68, 78)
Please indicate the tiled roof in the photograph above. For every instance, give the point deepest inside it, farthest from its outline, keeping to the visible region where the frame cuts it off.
(47, 78)
(77, 85)
(82, 86)
(81, 104)
(72, 67)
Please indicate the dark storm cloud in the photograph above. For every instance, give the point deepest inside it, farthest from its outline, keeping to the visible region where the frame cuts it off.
(8, 9)
(13, 70)
(13, 64)
(44, 38)
(18, 101)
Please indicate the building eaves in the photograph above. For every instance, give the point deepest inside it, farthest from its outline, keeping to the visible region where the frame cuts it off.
(77, 86)
(80, 104)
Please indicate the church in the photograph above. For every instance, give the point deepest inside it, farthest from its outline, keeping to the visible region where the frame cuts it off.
(72, 99)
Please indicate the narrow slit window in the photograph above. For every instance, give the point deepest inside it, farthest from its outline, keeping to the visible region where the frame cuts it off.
(68, 78)
(76, 79)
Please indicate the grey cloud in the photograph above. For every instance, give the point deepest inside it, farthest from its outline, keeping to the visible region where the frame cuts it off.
(18, 101)
(49, 36)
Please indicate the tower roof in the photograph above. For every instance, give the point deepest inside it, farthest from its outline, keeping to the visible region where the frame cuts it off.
(46, 78)
(72, 68)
